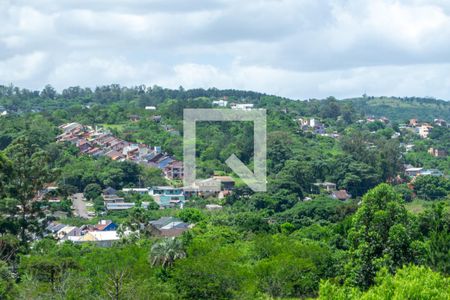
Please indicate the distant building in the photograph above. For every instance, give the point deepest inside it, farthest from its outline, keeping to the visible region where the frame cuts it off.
(327, 186)
(413, 122)
(213, 207)
(174, 170)
(431, 172)
(437, 152)
(424, 130)
(105, 225)
(220, 103)
(167, 196)
(440, 122)
(341, 195)
(242, 106)
(167, 227)
(99, 238)
(412, 171)
(150, 108)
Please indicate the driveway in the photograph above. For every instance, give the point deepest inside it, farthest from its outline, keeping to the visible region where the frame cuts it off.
(79, 206)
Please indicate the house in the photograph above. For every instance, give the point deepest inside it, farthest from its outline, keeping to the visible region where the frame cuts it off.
(140, 191)
(157, 119)
(134, 118)
(424, 130)
(226, 182)
(412, 171)
(431, 172)
(109, 191)
(243, 106)
(167, 227)
(105, 225)
(213, 207)
(174, 170)
(167, 196)
(110, 196)
(123, 205)
(100, 238)
(328, 186)
(437, 152)
(341, 195)
(54, 227)
(67, 231)
(440, 122)
(220, 103)
(413, 123)
(384, 120)
(3, 113)
(114, 155)
(150, 108)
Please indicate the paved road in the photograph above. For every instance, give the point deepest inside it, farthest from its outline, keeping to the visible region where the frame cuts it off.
(79, 206)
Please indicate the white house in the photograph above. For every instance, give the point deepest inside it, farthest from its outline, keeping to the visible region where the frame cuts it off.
(243, 106)
(220, 103)
(150, 108)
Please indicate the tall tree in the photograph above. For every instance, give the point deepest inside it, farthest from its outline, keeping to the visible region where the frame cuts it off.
(380, 236)
(29, 173)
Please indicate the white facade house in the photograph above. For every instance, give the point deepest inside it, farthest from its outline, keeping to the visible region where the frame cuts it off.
(243, 106)
(150, 108)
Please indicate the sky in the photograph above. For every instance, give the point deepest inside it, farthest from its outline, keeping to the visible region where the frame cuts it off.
(294, 48)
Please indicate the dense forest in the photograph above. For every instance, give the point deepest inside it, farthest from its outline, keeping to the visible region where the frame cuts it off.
(389, 240)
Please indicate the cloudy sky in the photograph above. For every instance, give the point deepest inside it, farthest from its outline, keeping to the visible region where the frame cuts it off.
(294, 48)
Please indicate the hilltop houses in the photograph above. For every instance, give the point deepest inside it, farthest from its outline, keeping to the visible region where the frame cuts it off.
(100, 142)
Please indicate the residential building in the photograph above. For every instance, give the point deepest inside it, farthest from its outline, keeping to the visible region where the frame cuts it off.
(167, 196)
(341, 195)
(220, 103)
(100, 238)
(167, 227)
(440, 122)
(431, 172)
(424, 130)
(242, 106)
(226, 182)
(174, 170)
(413, 171)
(150, 108)
(105, 225)
(213, 207)
(327, 186)
(437, 152)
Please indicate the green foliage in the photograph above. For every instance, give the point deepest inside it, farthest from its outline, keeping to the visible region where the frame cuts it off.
(380, 236)
(431, 187)
(411, 282)
(191, 215)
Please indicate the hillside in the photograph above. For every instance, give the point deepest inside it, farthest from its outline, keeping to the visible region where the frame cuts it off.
(400, 109)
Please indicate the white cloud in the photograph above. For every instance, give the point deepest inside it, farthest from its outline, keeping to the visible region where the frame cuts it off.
(294, 48)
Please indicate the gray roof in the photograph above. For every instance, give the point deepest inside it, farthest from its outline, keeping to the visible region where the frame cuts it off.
(164, 221)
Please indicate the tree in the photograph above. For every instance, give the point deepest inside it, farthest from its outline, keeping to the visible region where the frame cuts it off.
(30, 172)
(166, 252)
(410, 282)
(431, 187)
(380, 236)
(92, 191)
(191, 215)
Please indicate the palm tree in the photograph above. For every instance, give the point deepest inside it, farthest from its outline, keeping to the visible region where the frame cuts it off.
(166, 252)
